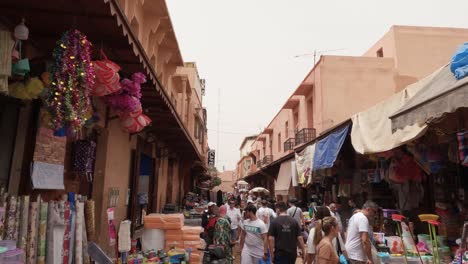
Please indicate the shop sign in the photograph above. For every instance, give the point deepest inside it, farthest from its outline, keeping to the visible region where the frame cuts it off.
(211, 157)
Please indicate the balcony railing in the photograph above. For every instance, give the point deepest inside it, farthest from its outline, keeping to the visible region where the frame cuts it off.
(259, 164)
(267, 159)
(305, 135)
(289, 144)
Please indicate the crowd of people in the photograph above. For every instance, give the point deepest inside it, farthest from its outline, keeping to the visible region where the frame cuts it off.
(269, 232)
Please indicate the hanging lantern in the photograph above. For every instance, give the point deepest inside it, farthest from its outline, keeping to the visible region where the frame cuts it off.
(21, 31)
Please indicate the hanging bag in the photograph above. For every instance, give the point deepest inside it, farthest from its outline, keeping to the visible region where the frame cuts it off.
(107, 77)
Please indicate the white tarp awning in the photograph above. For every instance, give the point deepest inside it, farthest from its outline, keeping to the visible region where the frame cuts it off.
(372, 129)
(283, 182)
(444, 94)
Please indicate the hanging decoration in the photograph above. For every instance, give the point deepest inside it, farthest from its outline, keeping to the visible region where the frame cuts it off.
(127, 100)
(107, 77)
(72, 77)
(126, 103)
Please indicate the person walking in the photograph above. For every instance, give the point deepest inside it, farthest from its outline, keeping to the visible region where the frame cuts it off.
(222, 231)
(265, 213)
(296, 212)
(334, 212)
(284, 236)
(235, 216)
(316, 234)
(326, 252)
(358, 244)
(253, 240)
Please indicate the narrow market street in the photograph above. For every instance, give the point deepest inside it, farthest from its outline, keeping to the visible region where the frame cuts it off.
(155, 131)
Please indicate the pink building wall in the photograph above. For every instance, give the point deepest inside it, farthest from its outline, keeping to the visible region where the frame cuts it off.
(418, 51)
(341, 86)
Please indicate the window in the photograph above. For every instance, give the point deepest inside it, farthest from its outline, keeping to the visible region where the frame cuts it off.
(286, 132)
(279, 142)
(380, 53)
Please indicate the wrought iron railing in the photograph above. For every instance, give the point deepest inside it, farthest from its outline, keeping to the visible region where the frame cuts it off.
(267, 159)
(259, 164)
(305, 135)
(289, 144)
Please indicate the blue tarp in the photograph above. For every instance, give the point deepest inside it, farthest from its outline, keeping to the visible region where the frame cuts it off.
(327, 149)
(145, 165)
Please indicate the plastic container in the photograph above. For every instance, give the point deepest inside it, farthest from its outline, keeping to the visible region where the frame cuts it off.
(387, 213)
(153, 239)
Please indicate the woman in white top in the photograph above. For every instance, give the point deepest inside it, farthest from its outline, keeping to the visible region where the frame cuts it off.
(316, 234)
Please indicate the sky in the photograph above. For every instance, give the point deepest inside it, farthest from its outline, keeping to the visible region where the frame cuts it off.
(247, 50)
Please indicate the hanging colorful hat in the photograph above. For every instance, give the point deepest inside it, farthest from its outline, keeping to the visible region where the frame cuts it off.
(107, 77)
(134, 122)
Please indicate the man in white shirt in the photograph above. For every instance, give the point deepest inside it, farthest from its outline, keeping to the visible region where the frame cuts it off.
(254, 238)
(358, 245)
(265, 213)
(235, 216)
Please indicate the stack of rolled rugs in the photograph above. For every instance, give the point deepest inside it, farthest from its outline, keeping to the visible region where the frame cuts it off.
(48, 232)
(177, 235)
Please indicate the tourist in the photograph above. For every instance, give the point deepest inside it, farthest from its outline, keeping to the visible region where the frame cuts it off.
(265, 213)
(296, 212)
(235, 216)
(222, 231)
(316, 234)
(326, 252)
(334, 213)
(207, 214)
(352, 205)
(284, 236)
(253, 240)
(358, 245)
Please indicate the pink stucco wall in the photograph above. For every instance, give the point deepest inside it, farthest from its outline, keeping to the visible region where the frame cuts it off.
(418, 51)
(350, 85)
(344, 85)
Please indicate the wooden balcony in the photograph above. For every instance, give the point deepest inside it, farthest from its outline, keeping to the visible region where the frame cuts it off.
(289, 144)
(305, 135)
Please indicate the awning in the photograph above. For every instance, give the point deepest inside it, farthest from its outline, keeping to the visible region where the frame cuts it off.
(283, 182)
(372, 129)
(327, 149)
(443, 94)
(304, 163)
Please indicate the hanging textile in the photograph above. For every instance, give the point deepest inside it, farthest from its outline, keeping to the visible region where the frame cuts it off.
(304, 164)
(6, 47)
(71, 251)
(79, 233)
(11, 219)
(124, 236)
(17, 219)
(23, 223)
(32, 233)
(41, 247)
(462, 138)
(89, 216)
(327, 149)
(83, 158)
(66, 236)
(55, 232)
